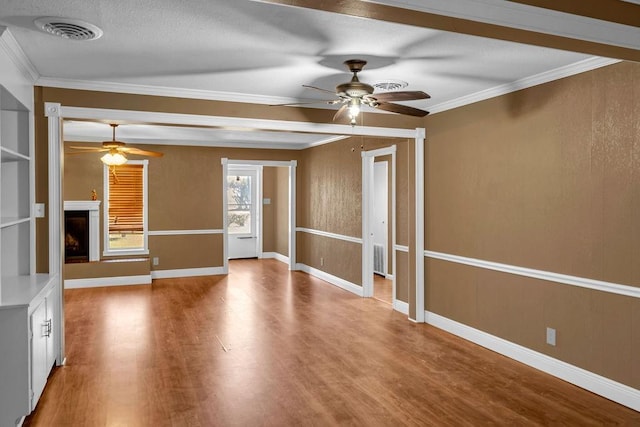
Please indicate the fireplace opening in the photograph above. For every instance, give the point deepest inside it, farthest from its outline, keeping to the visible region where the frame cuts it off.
(76, 236)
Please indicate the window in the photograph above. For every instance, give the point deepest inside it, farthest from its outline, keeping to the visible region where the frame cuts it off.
(239, 204)
(125, 208)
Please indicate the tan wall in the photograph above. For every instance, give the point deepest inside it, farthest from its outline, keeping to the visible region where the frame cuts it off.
(269, 211)
(544, 178)
(281, 219)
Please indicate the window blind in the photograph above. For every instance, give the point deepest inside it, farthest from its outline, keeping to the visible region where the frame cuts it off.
(126, 199)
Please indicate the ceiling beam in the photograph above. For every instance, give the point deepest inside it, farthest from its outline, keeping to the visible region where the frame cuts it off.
(445, 21)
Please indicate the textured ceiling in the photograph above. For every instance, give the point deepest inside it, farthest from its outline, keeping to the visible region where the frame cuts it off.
(264, 52)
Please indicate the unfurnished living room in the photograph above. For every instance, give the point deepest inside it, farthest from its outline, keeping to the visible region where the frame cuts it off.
(298, 212)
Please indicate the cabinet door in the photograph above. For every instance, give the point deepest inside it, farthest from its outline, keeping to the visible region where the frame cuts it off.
(39, 371)
(52, 309)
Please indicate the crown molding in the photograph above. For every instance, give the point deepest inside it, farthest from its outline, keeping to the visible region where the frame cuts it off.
(525, 17)
(585, 65)
(137, 89)
(10, 45)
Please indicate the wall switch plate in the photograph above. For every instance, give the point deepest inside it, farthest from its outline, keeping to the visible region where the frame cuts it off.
(156, 260)
(38, 210)
(551, 336)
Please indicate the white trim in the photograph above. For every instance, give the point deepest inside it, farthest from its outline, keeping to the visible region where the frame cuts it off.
(598, 285)
(131, 116)
(11, 46)
(275, 255)
(401, 248)
(420, 198)
(527, 82)
(184, 232)
(330, 235)
(330, 278)
(401, 306)
(187, 272)
(143, 279)
(595, 383)
(529, 18)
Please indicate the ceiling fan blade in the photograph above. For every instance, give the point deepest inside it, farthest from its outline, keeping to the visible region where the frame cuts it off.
(320, 89)
(401, 109)
(70, 153)
(293, 104)
(90, 148)
(133, 150)
(399, 96)
(341, 112)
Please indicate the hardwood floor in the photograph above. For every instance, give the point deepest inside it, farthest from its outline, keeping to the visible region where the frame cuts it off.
(382, 289)
(265, 346)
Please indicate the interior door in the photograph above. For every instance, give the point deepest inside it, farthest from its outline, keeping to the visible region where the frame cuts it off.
(242, 215)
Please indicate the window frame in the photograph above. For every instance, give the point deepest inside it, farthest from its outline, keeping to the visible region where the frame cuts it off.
(106, 250)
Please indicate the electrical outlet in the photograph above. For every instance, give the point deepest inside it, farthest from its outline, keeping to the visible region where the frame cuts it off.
(551, 336)
(321, 262)
(156, 260)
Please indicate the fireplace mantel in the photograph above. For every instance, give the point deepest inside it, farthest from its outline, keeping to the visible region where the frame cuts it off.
(93, 206)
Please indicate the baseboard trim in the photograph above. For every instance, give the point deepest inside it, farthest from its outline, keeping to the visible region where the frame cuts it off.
(96, 282)
(401, 306)
(187, 272)
(605, 387)
(330, 278)
(277, 256)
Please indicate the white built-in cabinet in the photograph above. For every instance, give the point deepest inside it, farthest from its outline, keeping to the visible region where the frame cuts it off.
(29, 302)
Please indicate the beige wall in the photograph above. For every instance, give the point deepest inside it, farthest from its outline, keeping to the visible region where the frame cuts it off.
(544, 178)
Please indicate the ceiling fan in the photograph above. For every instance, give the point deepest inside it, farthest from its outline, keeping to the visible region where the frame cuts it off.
(354, 94)
(116, 150)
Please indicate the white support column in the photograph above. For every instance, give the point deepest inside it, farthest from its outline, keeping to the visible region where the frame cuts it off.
(292, 215)
(52, 112)
(419, 150)
(225, 225)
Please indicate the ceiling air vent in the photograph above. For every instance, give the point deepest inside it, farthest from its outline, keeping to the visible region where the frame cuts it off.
(390, 85)
(67, 28)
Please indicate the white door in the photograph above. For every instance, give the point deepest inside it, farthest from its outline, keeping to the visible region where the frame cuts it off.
(380, 214)
(242, 215)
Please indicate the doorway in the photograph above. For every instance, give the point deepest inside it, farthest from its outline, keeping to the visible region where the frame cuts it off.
(244, 187)
(378, 224)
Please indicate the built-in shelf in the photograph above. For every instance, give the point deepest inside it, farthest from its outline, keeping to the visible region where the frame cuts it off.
(8, 155)
(23, 290)
(9, 221)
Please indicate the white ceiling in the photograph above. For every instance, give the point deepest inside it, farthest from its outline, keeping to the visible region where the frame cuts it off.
(258, 52)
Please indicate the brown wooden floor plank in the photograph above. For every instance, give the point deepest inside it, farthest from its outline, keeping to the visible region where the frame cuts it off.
(298, 352)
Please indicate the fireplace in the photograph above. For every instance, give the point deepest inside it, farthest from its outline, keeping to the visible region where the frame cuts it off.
(81, 231)
(76, 236)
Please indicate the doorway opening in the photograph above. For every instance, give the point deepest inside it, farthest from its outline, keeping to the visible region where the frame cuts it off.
(378, 224)
(244, 210)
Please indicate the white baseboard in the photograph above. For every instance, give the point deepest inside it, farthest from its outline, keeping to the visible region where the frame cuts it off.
(187, 272)
(277, 256)
(96, 282)
(334, 280)
(401, 306)
(612, 390)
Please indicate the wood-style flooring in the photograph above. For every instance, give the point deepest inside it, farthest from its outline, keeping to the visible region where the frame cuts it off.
(267, 347)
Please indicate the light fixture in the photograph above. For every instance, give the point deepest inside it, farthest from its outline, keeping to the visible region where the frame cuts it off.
(113, 158)
(354, 110)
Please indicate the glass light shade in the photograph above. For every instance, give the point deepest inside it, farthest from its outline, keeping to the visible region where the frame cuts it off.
(113, 159)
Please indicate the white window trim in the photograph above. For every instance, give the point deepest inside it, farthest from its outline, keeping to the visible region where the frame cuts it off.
(145, 213)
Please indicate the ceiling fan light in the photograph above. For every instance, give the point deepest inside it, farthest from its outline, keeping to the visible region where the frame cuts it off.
(354, 108)
(115, 159)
